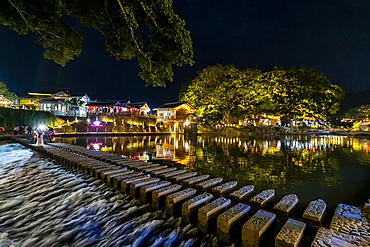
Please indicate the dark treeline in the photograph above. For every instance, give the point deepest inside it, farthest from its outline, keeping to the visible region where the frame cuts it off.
(10, 118)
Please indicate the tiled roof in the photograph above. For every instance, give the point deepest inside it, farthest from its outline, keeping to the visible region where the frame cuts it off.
(171, 105)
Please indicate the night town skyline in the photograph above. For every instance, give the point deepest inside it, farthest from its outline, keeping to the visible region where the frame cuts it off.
(330, 36)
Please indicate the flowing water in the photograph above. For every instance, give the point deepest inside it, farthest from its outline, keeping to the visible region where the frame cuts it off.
(44, 204)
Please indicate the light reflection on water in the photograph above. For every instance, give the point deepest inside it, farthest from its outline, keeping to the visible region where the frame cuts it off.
(335, 168)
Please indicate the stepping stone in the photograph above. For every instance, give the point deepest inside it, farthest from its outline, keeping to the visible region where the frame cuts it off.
(225, 187)
(171, 174)
(137, 184)
(291, 234)
(104, 174)
(100, 170)
(211, 211)
(350, 220)
(230, 218)
(145, 196)
(242, 192)
(117, 180)
(315, 210)
(125, 183)
(139, 168)
(263, 197)
(255, 227)
(196, 179)
(184, 176)
(154, 168)
(287, 203)
(192, 205)
(177, 198)
(159, 194)
(209, 183)
(157, 172)
(335, 239)
(113, 175)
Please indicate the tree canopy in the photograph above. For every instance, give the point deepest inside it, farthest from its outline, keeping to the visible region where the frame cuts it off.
(4, 91)
(359, 113)
(223, 92)
(147, 30)
(304, 92)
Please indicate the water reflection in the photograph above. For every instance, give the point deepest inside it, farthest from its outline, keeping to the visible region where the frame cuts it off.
(312, 166)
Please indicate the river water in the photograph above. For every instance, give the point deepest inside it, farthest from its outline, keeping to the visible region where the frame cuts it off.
(333, 168)
(43, 204)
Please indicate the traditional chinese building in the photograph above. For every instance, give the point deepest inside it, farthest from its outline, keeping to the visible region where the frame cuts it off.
(173, 114)
(4, 101)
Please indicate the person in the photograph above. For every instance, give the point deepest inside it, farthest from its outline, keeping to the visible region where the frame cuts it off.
(29, 129)
(51, 133)
(21, 128)
(16, 129)
(40, 137)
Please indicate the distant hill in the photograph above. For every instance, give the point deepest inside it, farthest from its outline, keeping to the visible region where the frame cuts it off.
(354, 99)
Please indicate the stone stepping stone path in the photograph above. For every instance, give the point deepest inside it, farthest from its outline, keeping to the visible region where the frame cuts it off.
(225, 187)
(330, 238)
(183, 176)
(315, 210)
(173, 173)
(208, 183)
(291, 234)
(228, 219)
(287, 203)
(177, 198)
(242, 192)
(144, 190)
(194, 204)
(210, 211)
(263, 197)
(255, 227)
(161, 193)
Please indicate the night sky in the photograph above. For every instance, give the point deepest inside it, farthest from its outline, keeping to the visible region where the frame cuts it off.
(333, 36)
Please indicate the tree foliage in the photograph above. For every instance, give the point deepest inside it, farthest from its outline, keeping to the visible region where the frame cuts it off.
(359, 113)
(220, 93)
(223, 92)
(304, 92)
(4, 91)
(10, 118)
(147, 30)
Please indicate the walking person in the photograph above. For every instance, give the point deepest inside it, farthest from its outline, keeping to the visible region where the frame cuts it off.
(40, 137)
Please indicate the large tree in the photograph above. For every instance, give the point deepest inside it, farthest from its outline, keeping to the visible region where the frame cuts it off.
(304, 92)
(4, 91)
(147, 30)
(223, 92)
(220, 93)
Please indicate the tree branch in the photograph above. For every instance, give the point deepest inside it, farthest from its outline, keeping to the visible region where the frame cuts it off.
(153, 19)
(133, 35)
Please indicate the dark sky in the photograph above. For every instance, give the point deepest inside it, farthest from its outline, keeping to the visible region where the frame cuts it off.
(333, 36)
